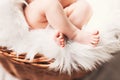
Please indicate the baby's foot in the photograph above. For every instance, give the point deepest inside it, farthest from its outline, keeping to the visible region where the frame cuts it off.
(87, 37)
(60, 39)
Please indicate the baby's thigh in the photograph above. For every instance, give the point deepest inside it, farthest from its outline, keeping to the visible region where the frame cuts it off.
(79, 13)
(69, 10)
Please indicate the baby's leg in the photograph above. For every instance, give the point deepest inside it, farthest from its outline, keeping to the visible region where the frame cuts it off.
(89, 38)
(54, 13)
(61, 23)
(79, 14)
(38, 13)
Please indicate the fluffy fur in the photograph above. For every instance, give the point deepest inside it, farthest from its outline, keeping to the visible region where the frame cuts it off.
(15, 35)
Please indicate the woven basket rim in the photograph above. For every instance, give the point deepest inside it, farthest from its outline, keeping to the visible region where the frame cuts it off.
(16, 65)
(39, 59)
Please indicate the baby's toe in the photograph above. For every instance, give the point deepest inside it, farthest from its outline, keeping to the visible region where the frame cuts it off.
(96, 37)
(61, 36)
(96, 32)
(94, 42)
(62, 42)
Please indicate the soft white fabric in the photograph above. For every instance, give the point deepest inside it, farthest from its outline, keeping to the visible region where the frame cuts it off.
(15, 35)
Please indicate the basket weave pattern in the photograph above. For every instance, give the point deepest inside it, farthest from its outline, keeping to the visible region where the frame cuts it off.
(35, 70)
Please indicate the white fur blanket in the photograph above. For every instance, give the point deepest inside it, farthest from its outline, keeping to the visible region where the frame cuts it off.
(15, 35)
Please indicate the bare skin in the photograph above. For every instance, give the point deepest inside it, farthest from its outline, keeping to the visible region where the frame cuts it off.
(66, 16)
(60, 39)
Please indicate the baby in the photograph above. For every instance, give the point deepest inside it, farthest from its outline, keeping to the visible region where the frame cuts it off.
(65, 16)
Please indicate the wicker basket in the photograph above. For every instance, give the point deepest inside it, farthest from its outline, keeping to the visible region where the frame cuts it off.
(35, 70)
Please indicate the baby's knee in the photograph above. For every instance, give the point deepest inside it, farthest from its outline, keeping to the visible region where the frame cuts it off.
(52, 3)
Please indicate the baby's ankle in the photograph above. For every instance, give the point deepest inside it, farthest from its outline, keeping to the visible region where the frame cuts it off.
(74, 35)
